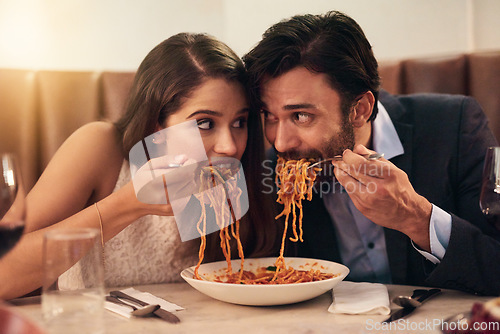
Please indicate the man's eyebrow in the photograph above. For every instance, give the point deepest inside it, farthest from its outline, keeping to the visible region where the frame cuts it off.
(215, 113)
(299, 106)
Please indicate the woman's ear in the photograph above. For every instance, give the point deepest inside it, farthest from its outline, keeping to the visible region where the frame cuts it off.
(363, 109)
(158, 127)
(158, 137)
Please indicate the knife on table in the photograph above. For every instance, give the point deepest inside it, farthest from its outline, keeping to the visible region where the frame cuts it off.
(420, 295)
(161, 313)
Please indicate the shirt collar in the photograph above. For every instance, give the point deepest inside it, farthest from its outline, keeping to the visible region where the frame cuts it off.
(385, 137)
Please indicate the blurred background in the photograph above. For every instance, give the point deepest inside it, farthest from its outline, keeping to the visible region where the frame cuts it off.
(117, 34)
(64, 63)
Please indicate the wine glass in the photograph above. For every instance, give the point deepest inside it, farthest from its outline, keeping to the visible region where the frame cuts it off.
(490, 188)
(12, 203)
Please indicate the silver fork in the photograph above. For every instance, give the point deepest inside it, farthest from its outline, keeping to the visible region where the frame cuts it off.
(371, 156)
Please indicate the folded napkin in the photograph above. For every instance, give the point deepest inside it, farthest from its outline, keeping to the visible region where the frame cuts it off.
(360, 298)
(145, 297)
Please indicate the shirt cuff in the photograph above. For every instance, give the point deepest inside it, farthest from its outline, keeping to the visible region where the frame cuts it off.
(439, 234)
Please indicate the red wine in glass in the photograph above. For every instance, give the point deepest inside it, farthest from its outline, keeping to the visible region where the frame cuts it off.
(12, 203)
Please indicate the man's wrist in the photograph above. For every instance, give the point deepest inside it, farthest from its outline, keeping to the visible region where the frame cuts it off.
(417, 227)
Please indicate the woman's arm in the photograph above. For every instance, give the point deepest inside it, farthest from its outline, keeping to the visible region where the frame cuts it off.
(83, 171)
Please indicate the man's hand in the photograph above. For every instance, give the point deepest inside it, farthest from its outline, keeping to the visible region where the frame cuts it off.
(383, 193)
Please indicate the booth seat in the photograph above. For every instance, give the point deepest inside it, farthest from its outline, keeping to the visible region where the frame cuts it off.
(40, 109)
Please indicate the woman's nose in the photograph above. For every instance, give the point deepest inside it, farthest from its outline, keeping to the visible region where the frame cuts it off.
(225, 143)
(285, 138)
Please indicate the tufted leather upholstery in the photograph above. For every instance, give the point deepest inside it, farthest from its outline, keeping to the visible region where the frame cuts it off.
(19, 121)
(484, 85)
(475, 74)
(40, 109)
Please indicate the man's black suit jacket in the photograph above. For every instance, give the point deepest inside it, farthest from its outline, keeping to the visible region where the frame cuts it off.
(445, 138)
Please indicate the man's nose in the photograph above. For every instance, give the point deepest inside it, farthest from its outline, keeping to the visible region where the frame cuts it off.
(225, 143)
(285, 138)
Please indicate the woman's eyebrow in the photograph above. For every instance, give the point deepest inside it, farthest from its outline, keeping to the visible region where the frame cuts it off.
(207, 112)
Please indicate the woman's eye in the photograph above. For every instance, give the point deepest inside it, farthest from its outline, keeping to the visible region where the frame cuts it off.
(240, 123)
(205, 124)
(302, 118)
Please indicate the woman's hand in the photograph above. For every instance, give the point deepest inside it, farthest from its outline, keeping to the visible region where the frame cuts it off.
(163, 180)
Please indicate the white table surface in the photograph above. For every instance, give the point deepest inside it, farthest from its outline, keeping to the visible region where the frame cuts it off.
(205, 315)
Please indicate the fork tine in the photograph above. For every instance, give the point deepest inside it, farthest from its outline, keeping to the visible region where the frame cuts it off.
(373, 156)
(337, 157)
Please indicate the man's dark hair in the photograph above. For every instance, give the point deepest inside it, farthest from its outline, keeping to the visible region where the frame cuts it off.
(333, 44)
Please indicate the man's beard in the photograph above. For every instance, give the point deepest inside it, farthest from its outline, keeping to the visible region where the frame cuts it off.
(335, 145)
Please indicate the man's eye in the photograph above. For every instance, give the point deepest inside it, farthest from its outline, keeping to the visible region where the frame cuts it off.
(267, 115)
(301, 117)
(240, 123)
(205, 124)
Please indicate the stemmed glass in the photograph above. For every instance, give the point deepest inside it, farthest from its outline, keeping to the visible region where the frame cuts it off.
(12, 203)
(490, 187)
(12, 221)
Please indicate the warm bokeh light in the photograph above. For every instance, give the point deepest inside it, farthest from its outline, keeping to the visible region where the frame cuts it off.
(22, 33)
(117, 34)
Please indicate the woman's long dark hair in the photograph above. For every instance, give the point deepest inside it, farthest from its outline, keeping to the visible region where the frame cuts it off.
(167, 76)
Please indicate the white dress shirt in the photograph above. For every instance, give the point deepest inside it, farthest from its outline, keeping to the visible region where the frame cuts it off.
(362, 244)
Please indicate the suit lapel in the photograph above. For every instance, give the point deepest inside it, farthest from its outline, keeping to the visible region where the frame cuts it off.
(397, 243)
(405, 133)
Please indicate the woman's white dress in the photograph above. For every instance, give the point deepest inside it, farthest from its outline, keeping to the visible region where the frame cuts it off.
(148, 251)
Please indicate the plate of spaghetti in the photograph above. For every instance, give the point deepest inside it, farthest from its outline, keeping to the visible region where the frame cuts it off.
(262, 281)
(302, 279)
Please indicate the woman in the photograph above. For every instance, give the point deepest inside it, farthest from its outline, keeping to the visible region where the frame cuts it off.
(186, 77)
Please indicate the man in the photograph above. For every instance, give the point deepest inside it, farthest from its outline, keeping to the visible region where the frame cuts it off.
(412, 217)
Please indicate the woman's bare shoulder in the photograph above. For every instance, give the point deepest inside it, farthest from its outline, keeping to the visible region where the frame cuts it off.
(83, 170)
(99, 130)
(97, 138)
(93, 151)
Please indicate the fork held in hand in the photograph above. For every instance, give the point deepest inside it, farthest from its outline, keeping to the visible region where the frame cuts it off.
(371, 156)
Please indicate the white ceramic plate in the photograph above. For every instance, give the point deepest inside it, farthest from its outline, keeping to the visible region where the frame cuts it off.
(265, 294)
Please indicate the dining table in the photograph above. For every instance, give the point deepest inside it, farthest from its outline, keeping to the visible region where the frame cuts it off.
(203, 314)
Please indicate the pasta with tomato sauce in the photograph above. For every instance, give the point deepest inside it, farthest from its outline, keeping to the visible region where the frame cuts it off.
(210, 177)
(295, 182)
